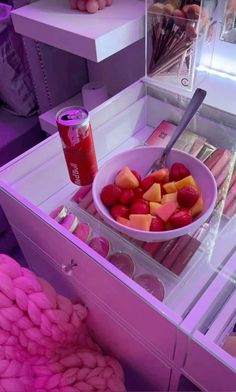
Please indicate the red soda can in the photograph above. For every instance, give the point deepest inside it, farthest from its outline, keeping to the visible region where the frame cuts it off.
(77, 141)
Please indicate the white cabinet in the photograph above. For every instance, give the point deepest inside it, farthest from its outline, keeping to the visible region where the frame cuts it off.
(37, 182)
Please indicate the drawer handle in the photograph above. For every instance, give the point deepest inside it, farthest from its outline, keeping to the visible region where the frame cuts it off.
(67, 268)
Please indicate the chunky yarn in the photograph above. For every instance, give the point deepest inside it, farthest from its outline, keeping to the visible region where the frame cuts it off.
(44, 343)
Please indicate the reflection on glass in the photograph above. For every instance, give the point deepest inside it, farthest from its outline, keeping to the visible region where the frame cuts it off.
(228, 32)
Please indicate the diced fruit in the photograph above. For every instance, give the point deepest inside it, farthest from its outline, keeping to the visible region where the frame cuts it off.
(147, 182)
(178, 171)
(110, 195)
(187, 196)
(127, 196)
(169, 197)
(181, 218)
(157, 224)
(139, 207)
(168, 226)
(141, 221)
(166, 210)
(161, 175)
(119, 210)
(153, 193)
(198, 207)
(138, 193)
(137, 175)
(153, 206)
(170, 187)
(186, 181)
(126, 179)
(123, 221)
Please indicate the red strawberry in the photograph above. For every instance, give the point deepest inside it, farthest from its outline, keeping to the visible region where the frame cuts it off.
(147, 182)
(181, 218)
(157, 224)
(178, 171)
(119, 210)
(139, 206)
(137, 175)
(138, 193)
(110, 194)
(187, 196)
(127, 196)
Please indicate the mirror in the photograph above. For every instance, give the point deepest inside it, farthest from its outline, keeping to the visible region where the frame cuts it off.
(228, 31)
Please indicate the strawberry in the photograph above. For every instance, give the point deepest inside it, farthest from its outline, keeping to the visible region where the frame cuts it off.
(138, 193)
(157, 224)
(119, 210)
(178, 171)
(181, 218)
(187, 196)
(110, 195)
(139, 206)
(127, 196)
(137, 175)
(147, 182)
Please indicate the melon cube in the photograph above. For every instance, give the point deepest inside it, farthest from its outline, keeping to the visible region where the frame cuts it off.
(140, 221)
(153, 206)
(166, 210)
(169, 197)
(153, 193)
(126, 179)
(198, 207)
(161, 175)
(185, 182)
(170, 187)
(123, 221)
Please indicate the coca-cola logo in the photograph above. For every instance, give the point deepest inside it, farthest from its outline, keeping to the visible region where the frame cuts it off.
(75, 173)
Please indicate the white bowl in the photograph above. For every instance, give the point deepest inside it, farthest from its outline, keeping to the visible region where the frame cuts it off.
(141, 159)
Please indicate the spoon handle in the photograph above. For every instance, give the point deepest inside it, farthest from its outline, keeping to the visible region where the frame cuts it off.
(192, 108)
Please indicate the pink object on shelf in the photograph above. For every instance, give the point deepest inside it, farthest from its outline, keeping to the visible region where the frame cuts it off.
(81, 193)
(151, 247)
(161, 135)
(83, 232)
(221, 163)
(152, 284)
(101, 245)
(59, 213)
(230, 345)
(70, 222)
(45, 345)
(123, 262)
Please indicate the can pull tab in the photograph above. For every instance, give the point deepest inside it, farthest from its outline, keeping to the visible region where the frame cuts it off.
(68, 268)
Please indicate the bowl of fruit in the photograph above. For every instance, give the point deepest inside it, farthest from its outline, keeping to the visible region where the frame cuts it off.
(158, 206)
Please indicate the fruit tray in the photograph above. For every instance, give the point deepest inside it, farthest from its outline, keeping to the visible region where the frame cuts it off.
(176, 254)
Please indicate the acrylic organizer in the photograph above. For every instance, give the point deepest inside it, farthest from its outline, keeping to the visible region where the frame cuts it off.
(175, 33)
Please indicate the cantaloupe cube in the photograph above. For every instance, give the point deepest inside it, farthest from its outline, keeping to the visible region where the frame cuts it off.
(153, 206)
(166, 210)
(161, 175)
(169, 197)
(126, 179)
(185, 181)
(123, 221)
(198, 207)
(170, 187)
(140, 221)
(153, 193)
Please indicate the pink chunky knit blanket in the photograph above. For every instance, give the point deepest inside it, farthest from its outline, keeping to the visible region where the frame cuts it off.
(44, 344)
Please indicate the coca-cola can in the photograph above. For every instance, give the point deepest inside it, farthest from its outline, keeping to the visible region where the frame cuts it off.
(77, 141)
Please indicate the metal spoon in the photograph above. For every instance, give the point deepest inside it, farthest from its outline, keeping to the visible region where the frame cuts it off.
(192, 108)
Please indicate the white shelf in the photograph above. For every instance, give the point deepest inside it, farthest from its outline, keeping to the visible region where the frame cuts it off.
(92, 36)
(48, 119)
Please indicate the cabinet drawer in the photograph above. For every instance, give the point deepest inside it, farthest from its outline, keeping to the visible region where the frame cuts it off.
(147, 317)
(144, 369)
